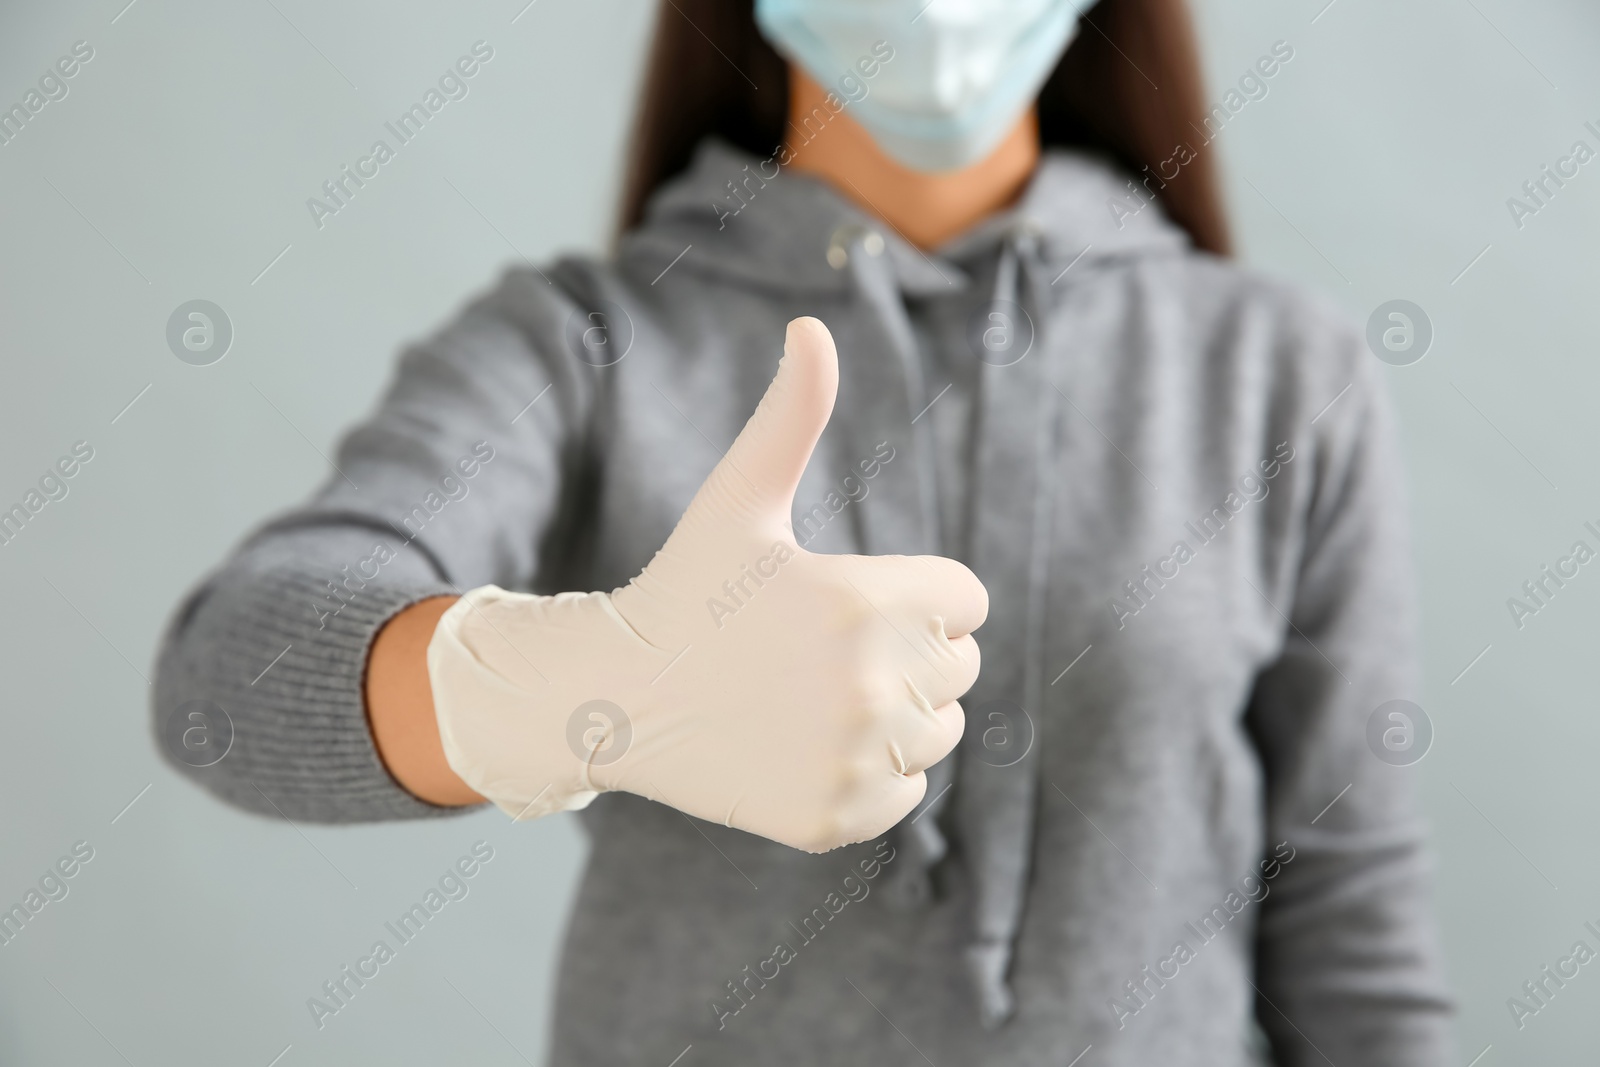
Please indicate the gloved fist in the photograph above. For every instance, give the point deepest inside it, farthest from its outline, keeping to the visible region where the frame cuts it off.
(738, 678)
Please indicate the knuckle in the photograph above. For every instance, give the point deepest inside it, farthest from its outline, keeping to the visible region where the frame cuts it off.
(859, 614)
(848, 610)
(825, 834)
(952, 727)
(957, 718)
(850, 776)
(868, 693)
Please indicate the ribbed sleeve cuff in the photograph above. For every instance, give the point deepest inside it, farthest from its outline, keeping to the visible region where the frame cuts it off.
(284, 658)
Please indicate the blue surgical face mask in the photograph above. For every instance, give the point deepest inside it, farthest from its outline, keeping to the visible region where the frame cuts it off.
(961, 72)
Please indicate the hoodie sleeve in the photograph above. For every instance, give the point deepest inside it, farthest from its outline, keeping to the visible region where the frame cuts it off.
(1348, 965)
(456, 480)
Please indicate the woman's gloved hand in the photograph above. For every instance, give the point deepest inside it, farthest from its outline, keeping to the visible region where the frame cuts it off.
(739, 678)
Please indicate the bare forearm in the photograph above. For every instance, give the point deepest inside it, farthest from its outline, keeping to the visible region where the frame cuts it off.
(399, 703)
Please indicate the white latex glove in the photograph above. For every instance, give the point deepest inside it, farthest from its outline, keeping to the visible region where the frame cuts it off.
(806, 716)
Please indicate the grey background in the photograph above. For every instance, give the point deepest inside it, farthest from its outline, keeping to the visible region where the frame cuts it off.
(178, 167)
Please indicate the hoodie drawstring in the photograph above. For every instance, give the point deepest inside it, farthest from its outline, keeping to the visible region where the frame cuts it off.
(994, 771)
(1017, 432)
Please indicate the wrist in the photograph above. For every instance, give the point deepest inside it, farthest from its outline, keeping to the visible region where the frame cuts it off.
(400, 707)
(535, 695)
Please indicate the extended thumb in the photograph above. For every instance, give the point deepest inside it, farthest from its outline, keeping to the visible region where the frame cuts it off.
(771, 452)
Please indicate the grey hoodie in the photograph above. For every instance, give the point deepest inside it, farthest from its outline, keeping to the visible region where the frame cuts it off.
(1164, 834)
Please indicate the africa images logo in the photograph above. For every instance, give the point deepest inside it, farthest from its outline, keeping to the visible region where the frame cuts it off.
(338, 191)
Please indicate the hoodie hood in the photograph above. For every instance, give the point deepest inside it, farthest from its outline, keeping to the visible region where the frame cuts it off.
(751, 222)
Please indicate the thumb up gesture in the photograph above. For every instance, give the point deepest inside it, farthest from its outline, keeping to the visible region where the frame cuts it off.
(738, 678)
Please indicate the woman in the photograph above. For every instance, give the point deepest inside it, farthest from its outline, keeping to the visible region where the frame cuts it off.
(1162, 836)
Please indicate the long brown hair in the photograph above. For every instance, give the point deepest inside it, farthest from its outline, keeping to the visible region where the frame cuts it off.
(1130, 85)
